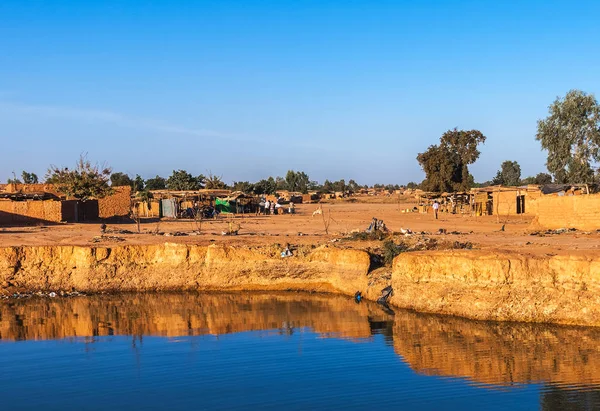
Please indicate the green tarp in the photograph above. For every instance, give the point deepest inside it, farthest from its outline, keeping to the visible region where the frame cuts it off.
(222, 206)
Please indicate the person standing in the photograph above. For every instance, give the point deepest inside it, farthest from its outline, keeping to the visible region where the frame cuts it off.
(436, 207)
(273, 208)
(267, 206)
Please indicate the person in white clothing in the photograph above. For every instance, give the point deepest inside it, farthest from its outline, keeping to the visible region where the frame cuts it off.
(436, 207)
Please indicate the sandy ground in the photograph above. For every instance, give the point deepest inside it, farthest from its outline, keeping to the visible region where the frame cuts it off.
(303, 228)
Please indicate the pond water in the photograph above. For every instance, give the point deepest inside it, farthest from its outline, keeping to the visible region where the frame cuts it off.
(282, 351)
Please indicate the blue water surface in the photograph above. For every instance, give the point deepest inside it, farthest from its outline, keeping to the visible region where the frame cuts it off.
(288, 368)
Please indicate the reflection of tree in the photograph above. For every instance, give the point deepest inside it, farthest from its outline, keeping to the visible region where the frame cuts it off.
(554, 398)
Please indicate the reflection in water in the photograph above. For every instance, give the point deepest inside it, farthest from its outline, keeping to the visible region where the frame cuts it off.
(565, 361)
(173, 315)
(497, 353)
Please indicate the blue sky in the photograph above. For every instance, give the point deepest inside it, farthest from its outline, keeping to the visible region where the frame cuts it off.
(248, 89)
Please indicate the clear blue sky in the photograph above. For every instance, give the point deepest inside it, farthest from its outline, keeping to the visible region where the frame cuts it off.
(247, 89)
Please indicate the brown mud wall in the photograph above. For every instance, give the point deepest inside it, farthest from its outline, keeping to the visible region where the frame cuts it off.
(486, 285)
(14, 212)
(118, 204)
(180, 267)
(580, 212)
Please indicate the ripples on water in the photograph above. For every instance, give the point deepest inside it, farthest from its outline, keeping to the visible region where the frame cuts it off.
(282, 351)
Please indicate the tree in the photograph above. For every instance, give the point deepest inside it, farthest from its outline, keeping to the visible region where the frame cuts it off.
(138, 184)
(29, 178)
(120, 180)
(353, 186)
(442, 170)
(328, 187)
(181, 180)
(509, 174)
(571, 135)
(156, 183)
(543, 178)
(412, 185)
(297, 181)
(214, 182)
(267, 186)
(280, 183)
(84, 182)
(243, 186)
(446, 165)
(339, 186)
(528, 180)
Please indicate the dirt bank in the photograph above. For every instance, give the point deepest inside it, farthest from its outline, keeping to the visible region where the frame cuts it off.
(479, 284)
(172, 266)
(508, 286)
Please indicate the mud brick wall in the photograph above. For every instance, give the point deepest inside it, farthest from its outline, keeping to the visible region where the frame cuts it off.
(30, 211)
(580, 212)
(30, 188)
(505, 203)
(145, 210)
(117, 204)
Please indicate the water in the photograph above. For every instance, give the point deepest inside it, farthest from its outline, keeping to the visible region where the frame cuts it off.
(282, 351)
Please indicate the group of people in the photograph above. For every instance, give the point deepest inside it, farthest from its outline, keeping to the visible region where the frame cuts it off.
(273, 208)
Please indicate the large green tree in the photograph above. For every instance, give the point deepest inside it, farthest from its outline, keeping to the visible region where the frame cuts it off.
(181, 180)
(509, 174)
(156, 183)
(120, 180)
(446, 165)
(267, 186)
(297, 181)
(138, 184)
(84, 182)
(243, 186)
(571, 135)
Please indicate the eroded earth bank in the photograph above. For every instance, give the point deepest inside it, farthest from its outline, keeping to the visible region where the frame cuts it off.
(478, 284)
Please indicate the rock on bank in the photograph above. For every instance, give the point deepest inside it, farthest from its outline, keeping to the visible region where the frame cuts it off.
(172, 266)
(487, 285)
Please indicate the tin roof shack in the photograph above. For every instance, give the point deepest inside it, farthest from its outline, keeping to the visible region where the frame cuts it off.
(425, 199)
(456, 203)
(184, 204)
(237, 203)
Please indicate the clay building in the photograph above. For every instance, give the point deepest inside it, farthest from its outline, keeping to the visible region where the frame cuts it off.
(22, 204)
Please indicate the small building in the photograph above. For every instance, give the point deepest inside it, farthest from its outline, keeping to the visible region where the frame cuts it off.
(504, 201)
(184, 204)
(43, 204)
(237, 203)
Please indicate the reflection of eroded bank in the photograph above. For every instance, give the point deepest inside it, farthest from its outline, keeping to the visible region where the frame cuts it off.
(497, 353)
(185, 314)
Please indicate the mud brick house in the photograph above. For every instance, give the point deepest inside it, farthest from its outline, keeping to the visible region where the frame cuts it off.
(42, 204)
